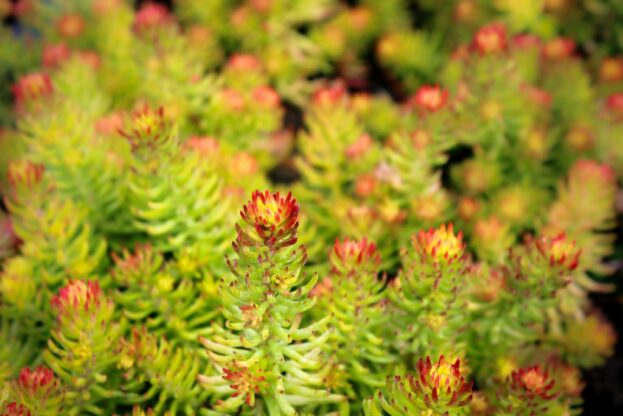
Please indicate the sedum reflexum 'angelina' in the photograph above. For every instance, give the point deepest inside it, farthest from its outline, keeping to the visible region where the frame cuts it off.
(81, 348)
(263, 351)
(166, 373)
(176, 199)
(436, 389)
(527, 392)
(426, 291)
(37, 391)
(354, 296)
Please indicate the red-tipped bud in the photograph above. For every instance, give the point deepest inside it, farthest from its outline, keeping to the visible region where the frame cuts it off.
(538, 96)
(365, 185)
(430, 98)
(55, 55)
(468, 208)
(490, 39)
(351, 255)
(25, 173)
(244, 62)
(232, 99)
(77, 295)
(593, 172)
(273, 218)
(151, 16)
(420, 139)
(41, 379)
(526, 41)
(611, 70)
(246, 382)
(359, 147)
(206, 146)
(614, 104)
(329, 94)
(70, 25)
(559, 251)
(13, 409)
(532, 383)
(558, 48)
(90, 58)
(441, 383)
(148, 127)
(439, 245)
(244, 164)
(110, 124)
(32, 87)
(267, 97)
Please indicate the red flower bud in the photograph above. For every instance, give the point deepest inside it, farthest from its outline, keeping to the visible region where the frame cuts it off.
(244, 62)
(614, 103)
(25, 173)
(110, 124)
(13, 409)
(526, 41)
(266, 97)
(77, 295)
(330, 94)
(32, 87)
(538, 96)
(273, 218)
(70, 25)
(55, 55)
(559, 251)
(441, 383)
(439, 245)
(206, 146)
(351, 255)
(611, 70)
(232, 99)
(490, 39)
(428, 98)
(532, 383)
(359, 147)
(559, 48)
(243, 164)
(41, 378)
(151, 16)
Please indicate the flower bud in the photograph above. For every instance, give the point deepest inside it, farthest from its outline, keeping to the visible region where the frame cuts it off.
(611, 70)
(32, 87)
(558, 48)
(490, 39)
(55, 55)
(273, 219)
(77, 295)
(429, 98)
(70, 25)
(350, 255)
(439, 245)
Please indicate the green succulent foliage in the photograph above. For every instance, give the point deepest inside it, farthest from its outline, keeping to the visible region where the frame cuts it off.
(435, 389)
(167, 374)
(334, 151)
(176, 300)
(508, 140)
(412, 56)
(17, 349)
(81, 348)
(426, 294)
(176, 200)
(263, 349)
(354, 297)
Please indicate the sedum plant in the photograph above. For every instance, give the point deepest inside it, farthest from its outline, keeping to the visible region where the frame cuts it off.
(458, 169)
(263, 350)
